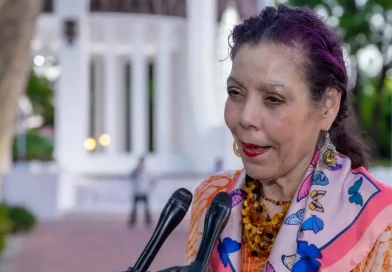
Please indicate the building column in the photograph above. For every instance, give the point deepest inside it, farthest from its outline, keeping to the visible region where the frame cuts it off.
(163, 91)
(139, 94)
(111, 90)
(201, 29)
(72, 90)
(202, 26)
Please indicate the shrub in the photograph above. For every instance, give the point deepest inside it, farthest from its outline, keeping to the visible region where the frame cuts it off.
(38, 147)
(5, 225)
(21, 218)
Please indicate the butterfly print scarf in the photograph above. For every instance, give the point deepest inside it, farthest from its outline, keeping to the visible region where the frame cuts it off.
(322, 231)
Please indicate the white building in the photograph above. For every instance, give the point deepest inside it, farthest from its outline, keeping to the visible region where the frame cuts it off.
(104, 55)
(109, 52)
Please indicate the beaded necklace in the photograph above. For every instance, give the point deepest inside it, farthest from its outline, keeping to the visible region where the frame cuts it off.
(259, 229)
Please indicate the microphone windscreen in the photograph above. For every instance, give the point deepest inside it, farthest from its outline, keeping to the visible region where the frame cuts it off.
(183, 197)
(222, 199)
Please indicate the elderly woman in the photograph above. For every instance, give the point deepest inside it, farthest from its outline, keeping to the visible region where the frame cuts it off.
(304, 201)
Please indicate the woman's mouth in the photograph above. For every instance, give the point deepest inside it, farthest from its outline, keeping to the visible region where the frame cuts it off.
(252, 150)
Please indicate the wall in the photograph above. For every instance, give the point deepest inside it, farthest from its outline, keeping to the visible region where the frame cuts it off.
(51, 194)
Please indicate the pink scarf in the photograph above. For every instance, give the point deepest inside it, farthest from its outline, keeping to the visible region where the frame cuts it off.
(334, 220)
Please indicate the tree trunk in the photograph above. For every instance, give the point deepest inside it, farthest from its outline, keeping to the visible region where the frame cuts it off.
(17, 21)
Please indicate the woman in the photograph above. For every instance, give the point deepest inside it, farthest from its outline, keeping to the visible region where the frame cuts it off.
(304, 201)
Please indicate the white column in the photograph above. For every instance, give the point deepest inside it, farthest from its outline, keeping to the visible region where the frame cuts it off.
(201, 30)
(201, 59)
(185, 118)
(111, 89)
(207, 60)
(72, 92)
(139, 93)
(163, 91)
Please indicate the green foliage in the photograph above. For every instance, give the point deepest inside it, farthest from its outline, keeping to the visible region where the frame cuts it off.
(381, 163)
(22, 219)
(41, 94)
(368, 101)
(14, 219)
(5, 226)
(353, 21)
(38, 147)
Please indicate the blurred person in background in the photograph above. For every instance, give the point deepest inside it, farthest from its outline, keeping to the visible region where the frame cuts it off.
(141, 186)
(218, 167)
(304, 200)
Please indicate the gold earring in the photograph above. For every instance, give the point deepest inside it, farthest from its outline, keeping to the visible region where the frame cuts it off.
(235, 149)
(327, 153)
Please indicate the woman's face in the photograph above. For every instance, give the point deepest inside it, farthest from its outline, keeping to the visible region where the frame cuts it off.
(269, 111)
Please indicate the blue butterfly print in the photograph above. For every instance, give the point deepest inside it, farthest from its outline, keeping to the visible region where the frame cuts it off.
(225, 247)
(237, 196)
(313, 223)
(307, 255)
(319, 178)
(336, 167)
(353, 191)
(295, 218)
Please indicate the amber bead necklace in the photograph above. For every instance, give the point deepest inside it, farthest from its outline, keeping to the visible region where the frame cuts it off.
(259, 229)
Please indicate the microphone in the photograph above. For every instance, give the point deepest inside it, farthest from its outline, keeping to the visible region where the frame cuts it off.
(171, 215)
(216, 220)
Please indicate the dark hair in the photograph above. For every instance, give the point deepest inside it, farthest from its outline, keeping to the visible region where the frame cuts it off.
(323, 68)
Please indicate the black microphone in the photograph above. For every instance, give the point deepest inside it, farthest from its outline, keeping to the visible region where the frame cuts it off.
(215, 221)
(172, 214)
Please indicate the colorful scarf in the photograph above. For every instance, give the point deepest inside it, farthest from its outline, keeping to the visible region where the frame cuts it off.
(335, 218)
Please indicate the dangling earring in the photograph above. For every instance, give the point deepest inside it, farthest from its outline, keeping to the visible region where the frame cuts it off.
(327, 153)
(235, 149)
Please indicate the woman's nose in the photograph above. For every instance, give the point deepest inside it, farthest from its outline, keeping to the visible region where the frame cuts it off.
(251, 115)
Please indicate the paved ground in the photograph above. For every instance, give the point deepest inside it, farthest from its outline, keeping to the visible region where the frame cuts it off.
(93, 245)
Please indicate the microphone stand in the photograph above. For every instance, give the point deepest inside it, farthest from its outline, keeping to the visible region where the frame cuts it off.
(193, 267)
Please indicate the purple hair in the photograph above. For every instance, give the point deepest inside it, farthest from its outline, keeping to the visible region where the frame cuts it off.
(323, 68)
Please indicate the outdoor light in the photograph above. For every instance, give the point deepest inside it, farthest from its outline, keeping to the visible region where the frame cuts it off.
(90, 144)
(70, 31)
(104, 139)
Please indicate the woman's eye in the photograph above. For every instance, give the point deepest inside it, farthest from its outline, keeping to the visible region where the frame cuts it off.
(232, 92)
(274, 100)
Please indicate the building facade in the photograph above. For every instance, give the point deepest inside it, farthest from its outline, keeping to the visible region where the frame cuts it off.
(132, 78)
(138, 78)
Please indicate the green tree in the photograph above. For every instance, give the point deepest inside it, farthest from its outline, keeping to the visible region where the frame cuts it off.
(362, 23)
(41, 94)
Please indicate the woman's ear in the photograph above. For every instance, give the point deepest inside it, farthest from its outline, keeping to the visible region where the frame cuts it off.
(331, 107)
